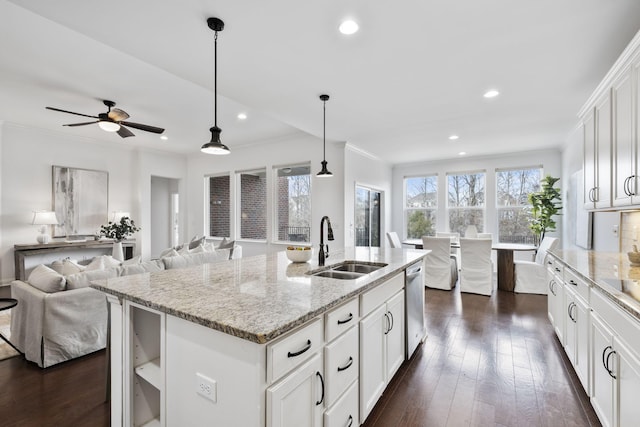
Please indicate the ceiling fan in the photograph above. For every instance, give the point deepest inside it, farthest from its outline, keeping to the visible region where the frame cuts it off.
(112, 121)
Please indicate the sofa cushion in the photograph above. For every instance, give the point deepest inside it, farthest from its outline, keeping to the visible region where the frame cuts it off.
(132, 261)
(84, 279)
(169, 252)
(103, 262)
(66, 266)
(46, 279)
(143, 267)
(188, 260)
(196, 242)
(227, 244)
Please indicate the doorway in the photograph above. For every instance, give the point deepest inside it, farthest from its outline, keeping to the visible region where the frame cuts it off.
(164, 214)
(367, 217)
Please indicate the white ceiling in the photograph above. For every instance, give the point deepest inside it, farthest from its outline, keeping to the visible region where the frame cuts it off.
(413, 75)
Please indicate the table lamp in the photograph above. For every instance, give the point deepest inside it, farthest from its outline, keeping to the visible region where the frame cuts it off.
(118, 215)
(44, 219)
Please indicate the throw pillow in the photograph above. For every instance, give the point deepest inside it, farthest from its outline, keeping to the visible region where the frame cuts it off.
(227, 244)
(184, 250)
(46, 279)
(132, 261)
(168, 252)
(84, 279)
(195, 243)
(102, 262)
(70, 266)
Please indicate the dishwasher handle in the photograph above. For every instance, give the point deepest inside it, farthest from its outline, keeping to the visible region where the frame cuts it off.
(413, 272)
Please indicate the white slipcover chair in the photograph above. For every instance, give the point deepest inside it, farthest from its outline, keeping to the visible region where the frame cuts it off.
(485, 236)
(455, 239)
(531, 276)
(440, 267)
(394, 240)
(476, 275)
(471, 232)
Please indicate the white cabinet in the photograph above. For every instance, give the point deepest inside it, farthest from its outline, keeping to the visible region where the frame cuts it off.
(144, 360)
(298, 400)
(576, 337)
(381, 350)
(345, 412)
(624, 144)
(590, 168)
(555, 300)
(602, 376)
(597, 154)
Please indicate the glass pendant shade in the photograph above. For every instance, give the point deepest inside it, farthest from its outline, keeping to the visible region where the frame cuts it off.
(215, 146)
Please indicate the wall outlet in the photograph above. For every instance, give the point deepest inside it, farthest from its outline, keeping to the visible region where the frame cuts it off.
(206, 387)
(615, 230)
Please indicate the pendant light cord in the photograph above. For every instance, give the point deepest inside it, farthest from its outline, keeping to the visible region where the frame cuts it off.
(215, 79)
(324, 130)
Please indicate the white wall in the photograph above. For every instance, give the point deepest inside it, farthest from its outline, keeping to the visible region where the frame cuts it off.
(549, 159)
(368, 171)
(161, 190)
(327, 193)
(27, 155)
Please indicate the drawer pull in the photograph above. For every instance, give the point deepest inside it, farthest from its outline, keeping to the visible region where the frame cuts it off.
(350, 421)
(298, 353)
(347, 320)
(347, 366)
(322, 382)
(573, 282)
(557, 269)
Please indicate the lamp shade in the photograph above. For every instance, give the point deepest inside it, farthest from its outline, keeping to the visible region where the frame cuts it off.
(44, 218)
(117, 215)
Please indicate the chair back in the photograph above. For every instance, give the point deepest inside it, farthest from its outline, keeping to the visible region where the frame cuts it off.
(547, 244)
(453, 237)
(476, 275)
(438, 263)
(485, 236)
(394, 240)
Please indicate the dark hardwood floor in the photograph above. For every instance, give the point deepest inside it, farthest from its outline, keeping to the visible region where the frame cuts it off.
(487, 362)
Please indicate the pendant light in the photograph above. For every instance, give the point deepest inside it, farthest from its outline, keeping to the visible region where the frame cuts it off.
(215, 146)
(324, 173)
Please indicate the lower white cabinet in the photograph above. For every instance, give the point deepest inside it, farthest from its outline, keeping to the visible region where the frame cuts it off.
(298, 399)
(381, 350)
(556, 304)
(576, 338)
(345, 412)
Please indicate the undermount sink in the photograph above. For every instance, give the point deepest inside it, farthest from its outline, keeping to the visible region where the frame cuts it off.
(349, 270)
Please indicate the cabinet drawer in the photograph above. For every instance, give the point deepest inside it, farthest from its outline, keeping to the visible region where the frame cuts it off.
(341, 364)
(292, 350)
(340, 319)
(345, 412)
(576, 283)
(624, 326)
(557, 268)
(378, 295)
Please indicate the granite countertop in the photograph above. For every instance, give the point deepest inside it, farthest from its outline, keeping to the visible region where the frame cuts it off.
(611, 272)
(256, 298)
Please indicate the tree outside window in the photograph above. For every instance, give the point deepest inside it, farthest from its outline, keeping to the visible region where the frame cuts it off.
(514, 210)
(421, 206)
(293, 203)
(465, 201)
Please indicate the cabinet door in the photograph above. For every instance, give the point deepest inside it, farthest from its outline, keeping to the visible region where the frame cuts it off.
(581, 362)
(601, 381)
(372, 359)
(624, 165)
(395, 334)
(603, 152)
(297, 400)
(570, 322)
(589, 162)
(628, 382)
(558, 308)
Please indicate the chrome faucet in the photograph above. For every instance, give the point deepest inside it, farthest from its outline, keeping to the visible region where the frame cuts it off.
(324, 249)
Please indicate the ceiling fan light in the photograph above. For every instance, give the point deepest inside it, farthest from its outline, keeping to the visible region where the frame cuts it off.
(109, 126)
(215, 146)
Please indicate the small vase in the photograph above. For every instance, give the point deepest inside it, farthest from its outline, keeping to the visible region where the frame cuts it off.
(118, 254)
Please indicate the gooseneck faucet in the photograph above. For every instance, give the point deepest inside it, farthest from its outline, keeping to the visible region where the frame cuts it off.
(324, 249)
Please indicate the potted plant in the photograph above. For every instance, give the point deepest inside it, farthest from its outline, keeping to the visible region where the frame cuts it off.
(119, 231)
(544, 205)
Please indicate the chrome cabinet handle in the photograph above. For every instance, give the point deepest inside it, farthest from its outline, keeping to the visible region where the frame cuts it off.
(347, 320)
(392, 321)
(625, 186)
(551, 287)
(299, 352)
(388, 328)
(347, 366)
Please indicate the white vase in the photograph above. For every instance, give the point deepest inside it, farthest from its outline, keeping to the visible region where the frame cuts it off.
(118, 254)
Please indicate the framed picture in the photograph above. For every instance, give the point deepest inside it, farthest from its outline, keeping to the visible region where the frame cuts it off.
(80, 200)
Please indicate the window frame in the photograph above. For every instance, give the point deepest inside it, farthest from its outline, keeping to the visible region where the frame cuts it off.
(481, 207)
(207, 189)
(238, 204)
(501, 208)
(275, 210)
(406, 211)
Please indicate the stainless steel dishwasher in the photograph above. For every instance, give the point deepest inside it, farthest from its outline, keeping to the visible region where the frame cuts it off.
(414, 303)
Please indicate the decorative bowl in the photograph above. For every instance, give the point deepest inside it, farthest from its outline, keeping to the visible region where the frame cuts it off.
(299, 253)
(634, 257)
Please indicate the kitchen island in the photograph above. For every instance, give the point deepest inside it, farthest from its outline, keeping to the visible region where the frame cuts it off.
(239, 342)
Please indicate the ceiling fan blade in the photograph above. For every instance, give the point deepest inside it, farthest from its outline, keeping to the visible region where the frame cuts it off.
(124, 132)
(143, 127)
(81, 124)
(117, 115)
(71, 112)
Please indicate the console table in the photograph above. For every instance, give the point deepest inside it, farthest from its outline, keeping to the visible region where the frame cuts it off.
(41, 253)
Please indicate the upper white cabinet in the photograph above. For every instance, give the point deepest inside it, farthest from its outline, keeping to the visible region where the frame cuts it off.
(590, 168)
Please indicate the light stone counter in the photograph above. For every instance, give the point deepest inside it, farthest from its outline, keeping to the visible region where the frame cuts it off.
(611, 272)
(255, 298)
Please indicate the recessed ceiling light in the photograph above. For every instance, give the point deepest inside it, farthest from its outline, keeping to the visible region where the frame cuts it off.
(491, 93)
(462, 153)
(348, 27)
(454, 137)
(242, 116)
(164, 137)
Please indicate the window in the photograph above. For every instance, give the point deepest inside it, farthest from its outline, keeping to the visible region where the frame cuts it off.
(253, 204)
(465, 201)
(420, 206)
(512, 189)
(367, 217)
(219, 206)
(293, 203)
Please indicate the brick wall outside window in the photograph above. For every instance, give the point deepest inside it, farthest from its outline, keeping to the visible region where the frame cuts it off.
(219, 206)
(253, 207)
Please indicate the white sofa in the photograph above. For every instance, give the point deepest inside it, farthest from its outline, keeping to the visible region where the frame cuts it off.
(59, 317)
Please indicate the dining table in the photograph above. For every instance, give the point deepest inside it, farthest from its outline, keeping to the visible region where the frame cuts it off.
(504, 253)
